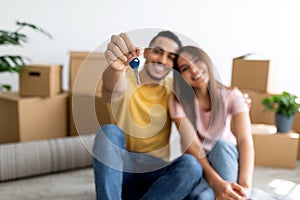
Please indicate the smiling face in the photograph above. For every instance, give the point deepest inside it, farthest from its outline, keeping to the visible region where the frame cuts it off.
(160, 57)
(193, 69)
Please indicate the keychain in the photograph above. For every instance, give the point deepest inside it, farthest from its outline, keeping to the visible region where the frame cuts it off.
(134, 64)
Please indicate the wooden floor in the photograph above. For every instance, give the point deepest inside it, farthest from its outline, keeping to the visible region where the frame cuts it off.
(79, 184)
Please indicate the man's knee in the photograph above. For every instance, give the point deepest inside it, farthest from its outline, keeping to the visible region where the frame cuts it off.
(109, 145)
(109, 136)
(109, 132)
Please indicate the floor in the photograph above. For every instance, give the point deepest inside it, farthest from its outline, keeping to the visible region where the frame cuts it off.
(278, 181)
(79, 185)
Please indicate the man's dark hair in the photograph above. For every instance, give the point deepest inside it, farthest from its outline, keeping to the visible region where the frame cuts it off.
(167, 34)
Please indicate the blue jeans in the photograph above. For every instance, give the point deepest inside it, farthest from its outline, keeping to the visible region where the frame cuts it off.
(224, 159)
(127, 175)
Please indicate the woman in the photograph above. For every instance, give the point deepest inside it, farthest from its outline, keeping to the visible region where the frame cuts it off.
(215, 127)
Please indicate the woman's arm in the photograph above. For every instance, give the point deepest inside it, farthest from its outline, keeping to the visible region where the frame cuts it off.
(191, 144)
(241, 128)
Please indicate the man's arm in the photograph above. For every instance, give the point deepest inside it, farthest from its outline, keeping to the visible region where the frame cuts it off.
(110, 79)
(120, 51)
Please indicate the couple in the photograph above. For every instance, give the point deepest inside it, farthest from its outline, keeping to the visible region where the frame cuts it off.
(131, 157)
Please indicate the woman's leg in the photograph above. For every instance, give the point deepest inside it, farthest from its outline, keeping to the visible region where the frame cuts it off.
(174, 181)
(224, 159)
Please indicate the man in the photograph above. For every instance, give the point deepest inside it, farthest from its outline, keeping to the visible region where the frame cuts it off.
(131, 157)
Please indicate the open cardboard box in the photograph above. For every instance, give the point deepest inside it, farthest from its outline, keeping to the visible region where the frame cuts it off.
(251, 72)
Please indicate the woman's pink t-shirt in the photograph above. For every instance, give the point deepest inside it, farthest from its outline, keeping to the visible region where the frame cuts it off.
(234, 103)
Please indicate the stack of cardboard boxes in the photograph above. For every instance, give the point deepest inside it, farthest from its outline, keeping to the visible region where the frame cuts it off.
(258, 79)
(39, 110)
(87, 109)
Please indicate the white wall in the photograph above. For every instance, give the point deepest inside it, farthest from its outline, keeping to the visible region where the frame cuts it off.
(225, 29)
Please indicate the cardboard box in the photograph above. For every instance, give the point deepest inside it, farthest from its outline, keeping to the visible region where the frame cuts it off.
(296, 127)
(257, 113)
(274, 149)
(298, 157)
(254, 74)
(296, 124)
(41, 80)
(87, 114)
(86, 69)
(32, 118)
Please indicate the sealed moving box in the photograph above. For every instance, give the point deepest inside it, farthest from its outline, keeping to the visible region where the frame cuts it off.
(248, 73)
(32, 118)
(41, 80)
(257, 113)
(86, 70)
(274, 149)
(87, 113)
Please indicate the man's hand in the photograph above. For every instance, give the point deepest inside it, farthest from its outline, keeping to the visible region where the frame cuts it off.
(120, 51)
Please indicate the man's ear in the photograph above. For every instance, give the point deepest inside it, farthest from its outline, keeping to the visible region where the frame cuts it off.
(146, 52)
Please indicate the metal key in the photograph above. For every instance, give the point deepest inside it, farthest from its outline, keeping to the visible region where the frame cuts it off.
(134, 64)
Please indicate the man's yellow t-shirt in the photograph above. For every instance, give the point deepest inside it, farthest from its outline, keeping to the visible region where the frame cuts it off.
(142, 114)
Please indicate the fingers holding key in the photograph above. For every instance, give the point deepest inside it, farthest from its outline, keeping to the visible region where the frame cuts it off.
(120, 44)
(132, 50)
(120, 51)
(116, 52)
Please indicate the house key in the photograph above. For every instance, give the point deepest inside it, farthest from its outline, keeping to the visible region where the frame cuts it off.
(134, 64)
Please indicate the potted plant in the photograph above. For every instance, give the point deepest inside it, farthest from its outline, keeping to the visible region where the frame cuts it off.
(13, 63)
(285, 106)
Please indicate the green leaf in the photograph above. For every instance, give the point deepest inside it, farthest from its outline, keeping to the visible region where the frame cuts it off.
(16, 38)
(34, 27)
(12, 63)
(284, 104)
(12, 38)
(5, 87)
(266, 101)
